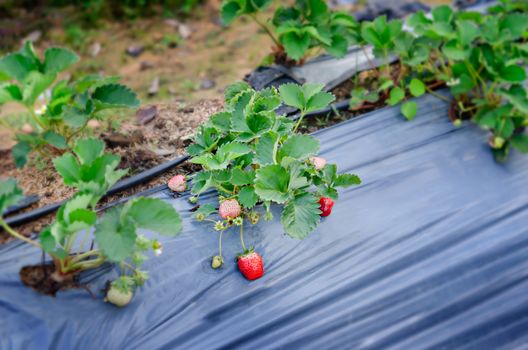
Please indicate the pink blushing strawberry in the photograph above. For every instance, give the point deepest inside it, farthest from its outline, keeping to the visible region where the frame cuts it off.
(229, 209)
(318, 162)
(177, 183)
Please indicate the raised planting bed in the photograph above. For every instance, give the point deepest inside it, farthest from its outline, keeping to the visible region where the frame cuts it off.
(158, 147)
(429, 252)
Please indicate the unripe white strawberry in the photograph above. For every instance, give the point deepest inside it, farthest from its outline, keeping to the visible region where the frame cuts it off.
(118, 297)
(318, 162)
(178, 183)
(229, 209)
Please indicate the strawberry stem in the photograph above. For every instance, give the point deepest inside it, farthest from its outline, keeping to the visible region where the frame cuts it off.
(220, 243)
(242, 237)
(299, 121)
(15, 234)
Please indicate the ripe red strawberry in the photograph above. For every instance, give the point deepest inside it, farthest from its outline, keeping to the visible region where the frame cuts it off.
(318, 162)
(251, 265)
(326, 205)
(177, 183)
(229, 209)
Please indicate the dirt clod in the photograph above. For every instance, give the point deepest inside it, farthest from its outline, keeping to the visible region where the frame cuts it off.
(134, 50)
(39, 278)
(146, 114)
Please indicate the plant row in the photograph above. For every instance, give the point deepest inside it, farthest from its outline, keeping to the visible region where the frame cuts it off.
(481, 58)
(60, 109)
(251, 156)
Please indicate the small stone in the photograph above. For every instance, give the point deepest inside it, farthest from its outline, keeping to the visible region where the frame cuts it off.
(134, 50)
(95, 48)
(144, 65)
(147, 114)
(154, 87)
(187, 109)
(207, 84)
(172, 22)
(184, 30)
(162, 152)
(34, 36)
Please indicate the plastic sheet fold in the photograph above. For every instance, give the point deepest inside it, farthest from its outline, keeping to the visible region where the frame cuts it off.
(430, 252)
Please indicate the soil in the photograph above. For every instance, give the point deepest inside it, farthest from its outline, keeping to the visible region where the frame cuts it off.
(38, 277)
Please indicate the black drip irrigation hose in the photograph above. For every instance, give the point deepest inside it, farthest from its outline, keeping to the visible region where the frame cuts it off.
(24, 203)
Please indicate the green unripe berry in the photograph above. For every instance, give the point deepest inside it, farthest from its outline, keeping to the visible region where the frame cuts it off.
(217, 262)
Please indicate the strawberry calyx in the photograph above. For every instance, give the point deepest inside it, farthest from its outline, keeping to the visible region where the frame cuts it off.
(245, 253)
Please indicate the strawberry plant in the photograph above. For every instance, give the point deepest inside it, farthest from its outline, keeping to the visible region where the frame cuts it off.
(479, 57)
(59, 109)
(306, 26)
(252, 156)
(67, 241)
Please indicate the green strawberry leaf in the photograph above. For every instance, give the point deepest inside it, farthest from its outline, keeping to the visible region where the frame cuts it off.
(57, 59)
(49, 244)
(292, 95)
(155, 215)
(295, 44)
(221, 121)
(467, 32)
(416, 87)
(319, 101)
(247, 197)
(206, 210)
(442, 13)
(10, 92)
(240, 177)
(10, 194)
(35, 83)
(409, 109)
(17, 66)
(55, 139)
(265, 149)
(20, 153)
(115, 237)
(516, 95)
(299, 147)
(397, 94)
(309, 90)
(346, 180)
(301, 215)
(513, 74)
(88, 150)
(515, 24)
(74, 117)
(229, 11)
(67, 166)
(114, 96)
(338, 48)
(271, 183)
(520, 142)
